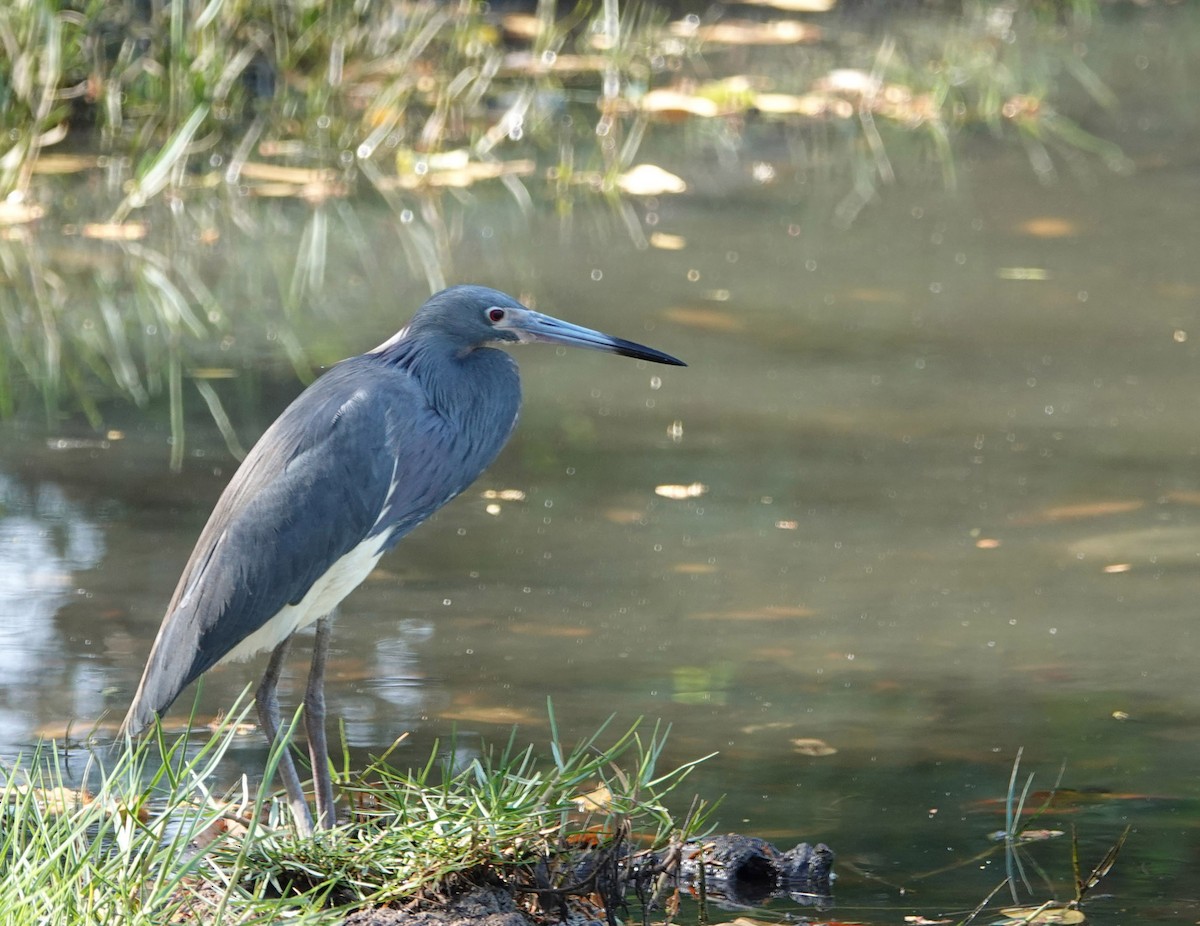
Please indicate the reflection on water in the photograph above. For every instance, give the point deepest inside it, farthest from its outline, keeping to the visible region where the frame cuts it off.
(951, 508)
(46, 541)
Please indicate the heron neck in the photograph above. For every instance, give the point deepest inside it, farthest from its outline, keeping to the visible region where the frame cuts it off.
(461, 383)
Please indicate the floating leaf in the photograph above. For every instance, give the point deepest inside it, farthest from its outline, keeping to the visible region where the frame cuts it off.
(64, 163)
(15, 211)
(650, 180)
(666, 102)
(1083, 510)
(767, 613)
(1048, 227)
(562, 631)
(680, 492)
(114, 231)
(506, 716)
(597, 799)
(1047, 914)
(745, 32)
(794, 6)
(808, 746)
(810, 104)
(665, 242)
(258, 170)
(772, 725)
(1023, 273)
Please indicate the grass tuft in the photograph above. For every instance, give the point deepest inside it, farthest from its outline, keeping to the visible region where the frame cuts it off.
(145, 839)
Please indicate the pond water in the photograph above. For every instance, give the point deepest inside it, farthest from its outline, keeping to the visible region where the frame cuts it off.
(950, 466)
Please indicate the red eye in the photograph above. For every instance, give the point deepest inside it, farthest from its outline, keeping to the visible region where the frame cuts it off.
(496, 315)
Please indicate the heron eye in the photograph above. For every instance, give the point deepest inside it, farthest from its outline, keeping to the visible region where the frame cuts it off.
(496, 315)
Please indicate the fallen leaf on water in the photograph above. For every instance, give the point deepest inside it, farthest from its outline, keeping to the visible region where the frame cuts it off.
(16, 212)
(768, 613)
(239, 729)
(500, 715)
(504, 495)
(524, 62)
(64, 163)
(680, 492)
(1048, 227)
(808, 746)
(650, 180)
(258, 170)
(664, 102)
(745, 32)
(794, 6)
(786, 104)
(477, 170)
(1027, 835)
(274, 190)
(1047, 914)
(521, 25)
(665, 242)
(708, 319)
(597, 799)
(694, 569)
(1176, 290)
(114, 231)
(772, 725)
(551, 631)
(1064, 800)
(1023, 273)
(1082, 510)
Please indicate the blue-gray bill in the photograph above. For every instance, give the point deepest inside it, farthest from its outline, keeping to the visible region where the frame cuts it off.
(531, 326)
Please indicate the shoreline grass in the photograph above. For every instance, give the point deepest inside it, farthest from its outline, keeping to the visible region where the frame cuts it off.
(148, 840)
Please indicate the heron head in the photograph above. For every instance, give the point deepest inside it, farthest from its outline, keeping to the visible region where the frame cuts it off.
(477, 315)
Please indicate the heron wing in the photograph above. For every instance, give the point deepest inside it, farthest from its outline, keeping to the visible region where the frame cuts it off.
(310, 491)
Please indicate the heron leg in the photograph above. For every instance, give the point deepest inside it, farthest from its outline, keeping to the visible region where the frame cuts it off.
(267, 698)
(314, 722)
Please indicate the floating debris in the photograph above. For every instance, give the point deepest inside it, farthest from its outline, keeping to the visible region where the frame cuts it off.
(650, 180)
(680, 492)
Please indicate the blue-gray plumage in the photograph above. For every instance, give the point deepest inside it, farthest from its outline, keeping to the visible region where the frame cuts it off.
(360, 458)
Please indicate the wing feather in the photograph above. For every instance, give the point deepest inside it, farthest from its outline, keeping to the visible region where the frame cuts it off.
(308, 493)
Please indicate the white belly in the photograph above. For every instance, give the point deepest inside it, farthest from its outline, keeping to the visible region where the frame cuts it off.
(343, 577)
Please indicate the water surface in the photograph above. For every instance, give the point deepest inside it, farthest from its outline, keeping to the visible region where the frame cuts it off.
(949, 507)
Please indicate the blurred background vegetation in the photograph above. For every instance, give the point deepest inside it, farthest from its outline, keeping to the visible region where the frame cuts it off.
(141, 138)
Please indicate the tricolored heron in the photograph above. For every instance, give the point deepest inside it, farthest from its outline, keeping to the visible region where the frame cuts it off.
(363, 455)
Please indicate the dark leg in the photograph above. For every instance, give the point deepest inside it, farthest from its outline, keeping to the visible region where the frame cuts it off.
(268, 716)
(314, 722)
